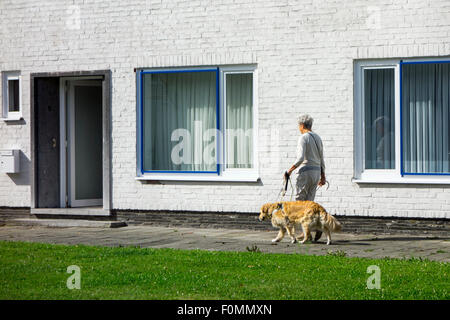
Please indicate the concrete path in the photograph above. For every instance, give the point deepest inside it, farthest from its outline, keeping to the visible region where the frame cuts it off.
(361, 245)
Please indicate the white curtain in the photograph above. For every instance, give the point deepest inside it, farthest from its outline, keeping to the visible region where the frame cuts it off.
(239, 120)
(379, 117)
(426, 117)
(180, 100)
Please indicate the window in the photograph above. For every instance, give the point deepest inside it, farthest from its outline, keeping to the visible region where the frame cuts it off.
(197, 124)
(379, 130)
(11, 83)
(425, 118)
(402, 121)
(239, 119)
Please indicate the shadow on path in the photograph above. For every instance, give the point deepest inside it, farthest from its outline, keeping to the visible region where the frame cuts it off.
(405, 238)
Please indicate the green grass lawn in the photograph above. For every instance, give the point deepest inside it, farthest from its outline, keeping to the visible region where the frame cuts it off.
(39, 271)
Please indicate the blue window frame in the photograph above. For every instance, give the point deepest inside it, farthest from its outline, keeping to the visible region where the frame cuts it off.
(184, 77)
(428, 152)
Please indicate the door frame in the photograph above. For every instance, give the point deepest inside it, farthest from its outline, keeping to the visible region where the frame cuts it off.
(105, 75)
(67, 156)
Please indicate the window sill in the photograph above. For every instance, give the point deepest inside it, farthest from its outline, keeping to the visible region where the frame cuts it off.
(14, 118)
(405, 180)
(199, 177)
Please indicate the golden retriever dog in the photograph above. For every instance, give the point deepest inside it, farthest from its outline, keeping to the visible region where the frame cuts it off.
(289, 215)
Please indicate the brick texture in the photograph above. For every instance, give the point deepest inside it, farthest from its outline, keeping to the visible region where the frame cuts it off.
(304, 51)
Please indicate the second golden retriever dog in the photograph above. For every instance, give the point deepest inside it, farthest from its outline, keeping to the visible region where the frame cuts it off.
(289, 215)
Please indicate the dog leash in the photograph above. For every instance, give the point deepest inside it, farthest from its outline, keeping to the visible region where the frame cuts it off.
(327, 183)
(286, 181)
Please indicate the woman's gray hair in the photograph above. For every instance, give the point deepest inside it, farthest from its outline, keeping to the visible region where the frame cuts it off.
(381, 121)
(306, 120)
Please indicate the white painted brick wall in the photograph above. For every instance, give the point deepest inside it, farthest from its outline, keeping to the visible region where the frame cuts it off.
(304, 51)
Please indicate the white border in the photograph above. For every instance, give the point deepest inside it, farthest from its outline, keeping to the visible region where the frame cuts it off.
(230, 175)
(383, 176)
(73, 202)
(236, 173)
(65, 98)
(6, 114)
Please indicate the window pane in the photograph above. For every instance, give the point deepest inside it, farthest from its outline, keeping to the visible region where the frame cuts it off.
(179, 121)
(13, 95)
(426, 117)
(239, 120)
(379, 118)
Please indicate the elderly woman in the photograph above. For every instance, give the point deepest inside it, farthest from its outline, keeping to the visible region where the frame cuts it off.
(310, 160)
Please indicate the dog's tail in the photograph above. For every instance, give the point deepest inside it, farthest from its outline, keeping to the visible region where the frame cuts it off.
(333, 224)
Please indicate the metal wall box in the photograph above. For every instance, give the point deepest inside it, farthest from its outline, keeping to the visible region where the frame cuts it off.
(9, 161)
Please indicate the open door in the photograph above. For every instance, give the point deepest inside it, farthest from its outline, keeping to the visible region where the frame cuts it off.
(70, 143)
(84, 150)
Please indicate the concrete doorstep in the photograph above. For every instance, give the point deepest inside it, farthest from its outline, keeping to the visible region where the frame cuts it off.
(66, 223)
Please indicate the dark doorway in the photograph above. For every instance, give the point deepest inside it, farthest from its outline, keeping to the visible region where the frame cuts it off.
(47, 147)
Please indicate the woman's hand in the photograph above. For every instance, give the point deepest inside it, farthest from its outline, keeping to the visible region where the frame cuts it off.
(289, 172)
(322, 180)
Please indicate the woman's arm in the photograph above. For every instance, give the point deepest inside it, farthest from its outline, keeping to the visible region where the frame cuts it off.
(292, 169)
(300, 155)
